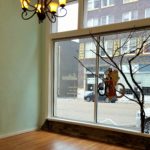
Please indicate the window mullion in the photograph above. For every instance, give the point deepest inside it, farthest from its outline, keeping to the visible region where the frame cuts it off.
(81, 14)
(96, 82)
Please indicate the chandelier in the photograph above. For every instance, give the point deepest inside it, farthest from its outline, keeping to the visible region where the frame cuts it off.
(43, 9)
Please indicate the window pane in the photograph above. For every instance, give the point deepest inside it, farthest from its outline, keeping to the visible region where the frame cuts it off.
(103, 3)
(116, 11)
(129, 46)
(67, 23)
(122, 112)
(108, 45)
(96, 3)
(126, 16)
(107, 3)
(93, 4)
(74, 90)
(90, 49)
(147, 13)
(92, 22)
(103, 20)
(107, 20)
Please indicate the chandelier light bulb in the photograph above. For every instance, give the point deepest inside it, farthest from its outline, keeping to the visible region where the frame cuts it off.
(38, 8)
(53, 7)
(24, 4)
(62, 3)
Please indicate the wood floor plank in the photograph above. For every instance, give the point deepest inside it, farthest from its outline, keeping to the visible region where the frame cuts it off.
(41, 140)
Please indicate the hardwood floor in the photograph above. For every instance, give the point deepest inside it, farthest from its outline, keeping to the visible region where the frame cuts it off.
(41, 140)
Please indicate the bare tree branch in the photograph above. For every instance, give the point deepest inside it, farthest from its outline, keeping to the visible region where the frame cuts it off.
(141, 68)
(133, 100)
(136, 84)
(86, 68)
(125, 42)
(131, 72)
(102, 58)
(140, 49)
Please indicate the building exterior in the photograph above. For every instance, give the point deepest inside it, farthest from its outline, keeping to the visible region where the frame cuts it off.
(103, 12)
(67, 76)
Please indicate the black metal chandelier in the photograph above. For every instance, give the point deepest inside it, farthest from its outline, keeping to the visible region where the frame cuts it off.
(43, 9)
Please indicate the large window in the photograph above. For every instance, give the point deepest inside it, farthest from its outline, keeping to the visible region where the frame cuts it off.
(80, 60)
(75, 79)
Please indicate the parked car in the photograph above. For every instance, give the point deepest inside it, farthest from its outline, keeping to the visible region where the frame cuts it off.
(91, 96)
(147, 120)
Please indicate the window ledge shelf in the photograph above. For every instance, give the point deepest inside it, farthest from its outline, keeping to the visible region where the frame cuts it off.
(95, 132)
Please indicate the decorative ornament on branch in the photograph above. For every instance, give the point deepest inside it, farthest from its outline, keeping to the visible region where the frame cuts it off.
(43, 9)
(110, 86)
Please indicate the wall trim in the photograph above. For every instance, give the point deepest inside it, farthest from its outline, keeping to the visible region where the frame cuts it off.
(18, 132)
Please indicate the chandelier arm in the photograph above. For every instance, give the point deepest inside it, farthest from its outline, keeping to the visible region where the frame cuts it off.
(30, 4)
(47, 2)
(62, 15)
(25, 14)
(52, 19)
(31, 10)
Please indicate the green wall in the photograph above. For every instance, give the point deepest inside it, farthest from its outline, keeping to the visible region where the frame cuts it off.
(20, 70)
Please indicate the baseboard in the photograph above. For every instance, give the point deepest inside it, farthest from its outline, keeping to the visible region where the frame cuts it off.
(18, 132)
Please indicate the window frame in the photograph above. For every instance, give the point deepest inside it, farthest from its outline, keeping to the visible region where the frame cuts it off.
(49, 74)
